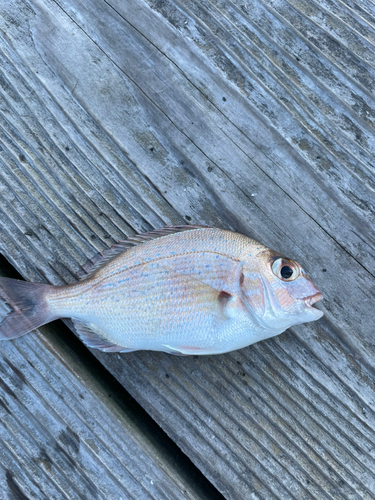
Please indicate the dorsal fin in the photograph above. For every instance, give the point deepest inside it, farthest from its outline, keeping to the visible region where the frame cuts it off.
(101, 258)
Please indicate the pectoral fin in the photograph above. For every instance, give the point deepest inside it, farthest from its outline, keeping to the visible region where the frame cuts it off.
(220, 303)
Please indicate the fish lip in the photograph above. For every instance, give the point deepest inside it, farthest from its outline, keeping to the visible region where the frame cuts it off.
(311, 299)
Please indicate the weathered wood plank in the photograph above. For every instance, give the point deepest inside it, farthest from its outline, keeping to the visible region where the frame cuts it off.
(64, 435)
(121, 116)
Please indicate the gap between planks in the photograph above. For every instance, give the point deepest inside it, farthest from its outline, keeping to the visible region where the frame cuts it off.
(71, 352)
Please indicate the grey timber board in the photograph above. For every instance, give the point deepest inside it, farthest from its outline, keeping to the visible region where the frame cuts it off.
(64, 433)
(117, 117)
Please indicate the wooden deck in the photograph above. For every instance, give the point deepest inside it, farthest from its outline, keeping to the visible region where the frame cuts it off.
(119, 117)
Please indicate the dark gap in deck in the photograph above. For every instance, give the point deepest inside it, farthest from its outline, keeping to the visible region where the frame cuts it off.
(153, 432)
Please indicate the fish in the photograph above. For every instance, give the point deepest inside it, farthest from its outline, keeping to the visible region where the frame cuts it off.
(182, 290)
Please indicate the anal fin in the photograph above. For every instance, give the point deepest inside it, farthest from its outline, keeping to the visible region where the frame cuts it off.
(93, 337)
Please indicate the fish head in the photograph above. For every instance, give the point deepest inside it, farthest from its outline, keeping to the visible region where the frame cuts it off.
(278, 292)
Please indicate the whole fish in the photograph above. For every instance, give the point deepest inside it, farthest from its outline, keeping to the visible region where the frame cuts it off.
(182, 290)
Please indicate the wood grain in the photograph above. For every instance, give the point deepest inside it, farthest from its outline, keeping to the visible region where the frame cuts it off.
(64, 435)
(117, 117)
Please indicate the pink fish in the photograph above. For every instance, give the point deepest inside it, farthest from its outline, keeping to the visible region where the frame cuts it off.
(182, 290)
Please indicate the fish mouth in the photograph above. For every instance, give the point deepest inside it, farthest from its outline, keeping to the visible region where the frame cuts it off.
(309, 301)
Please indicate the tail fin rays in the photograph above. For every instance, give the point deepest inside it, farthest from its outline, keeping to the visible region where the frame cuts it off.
(29, 307)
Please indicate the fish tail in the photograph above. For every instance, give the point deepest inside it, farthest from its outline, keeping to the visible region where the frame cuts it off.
(30, 309)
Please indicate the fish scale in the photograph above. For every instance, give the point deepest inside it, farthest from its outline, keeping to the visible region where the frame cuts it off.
(183, 290)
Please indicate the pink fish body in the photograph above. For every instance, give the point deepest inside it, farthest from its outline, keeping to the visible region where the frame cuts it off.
(183, 290)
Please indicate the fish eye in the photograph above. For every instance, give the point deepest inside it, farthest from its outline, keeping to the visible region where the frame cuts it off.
(285, 269)
(286, 272)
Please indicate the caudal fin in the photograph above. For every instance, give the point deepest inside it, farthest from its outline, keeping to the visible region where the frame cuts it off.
(29, 307)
